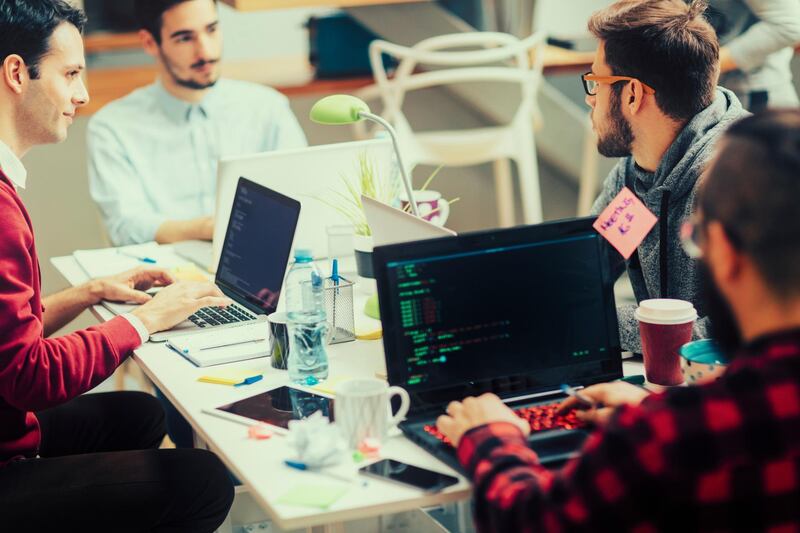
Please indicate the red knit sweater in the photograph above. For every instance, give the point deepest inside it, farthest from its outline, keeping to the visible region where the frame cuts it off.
(37, 373)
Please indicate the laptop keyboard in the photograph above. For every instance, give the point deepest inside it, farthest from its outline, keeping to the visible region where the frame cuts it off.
(216, 316)
(540, 417)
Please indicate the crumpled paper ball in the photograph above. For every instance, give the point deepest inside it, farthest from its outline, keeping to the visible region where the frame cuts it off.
(316, 441)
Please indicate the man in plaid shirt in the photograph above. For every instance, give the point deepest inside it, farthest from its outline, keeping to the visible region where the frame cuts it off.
(723, 456)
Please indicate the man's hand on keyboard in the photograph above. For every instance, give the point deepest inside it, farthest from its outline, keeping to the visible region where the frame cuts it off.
(610, 395)
(177, 302)
(129, 286)
(474, 412)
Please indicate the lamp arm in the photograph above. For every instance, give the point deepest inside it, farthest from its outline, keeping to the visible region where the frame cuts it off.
(406, 181)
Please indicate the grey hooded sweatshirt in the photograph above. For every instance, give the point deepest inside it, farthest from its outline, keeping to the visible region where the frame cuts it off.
(660, 268)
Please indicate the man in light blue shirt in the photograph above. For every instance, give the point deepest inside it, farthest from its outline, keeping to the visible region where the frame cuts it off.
(153, 154)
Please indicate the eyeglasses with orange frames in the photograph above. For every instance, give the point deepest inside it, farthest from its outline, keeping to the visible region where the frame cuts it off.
(591, 81)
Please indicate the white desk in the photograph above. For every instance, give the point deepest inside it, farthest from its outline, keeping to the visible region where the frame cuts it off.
(259, 464)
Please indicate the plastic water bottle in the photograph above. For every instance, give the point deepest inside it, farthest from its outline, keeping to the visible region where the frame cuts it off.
(308, 329)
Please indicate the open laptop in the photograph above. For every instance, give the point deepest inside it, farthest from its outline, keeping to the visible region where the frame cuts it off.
(516, 312)
(392, 226)
(306, 174)
(253, 263)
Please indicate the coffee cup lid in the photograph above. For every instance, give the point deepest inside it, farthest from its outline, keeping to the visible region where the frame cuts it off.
(665, 311)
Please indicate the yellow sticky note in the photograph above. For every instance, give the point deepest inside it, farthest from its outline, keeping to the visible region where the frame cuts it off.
(230, 377)
(329, 385)
(189, 272)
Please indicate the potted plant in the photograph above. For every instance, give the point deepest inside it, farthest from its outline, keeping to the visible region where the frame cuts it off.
(370, 182)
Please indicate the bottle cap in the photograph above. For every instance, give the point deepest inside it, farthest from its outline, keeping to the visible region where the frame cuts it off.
(303, 254)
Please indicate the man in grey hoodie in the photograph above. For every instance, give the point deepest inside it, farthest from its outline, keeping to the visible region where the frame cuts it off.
(655, 104)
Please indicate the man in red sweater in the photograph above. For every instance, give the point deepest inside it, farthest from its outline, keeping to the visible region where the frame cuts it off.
(70, 462)
(723, 456)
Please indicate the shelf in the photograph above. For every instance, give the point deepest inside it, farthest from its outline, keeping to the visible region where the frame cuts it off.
(293, 76)
(260, 5)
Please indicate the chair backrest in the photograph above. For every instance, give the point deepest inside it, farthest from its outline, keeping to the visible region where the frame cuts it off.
(454, 59)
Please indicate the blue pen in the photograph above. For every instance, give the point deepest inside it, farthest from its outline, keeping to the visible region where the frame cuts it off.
(299, 465)
(335, 272)
(143, 259)
(250, 380)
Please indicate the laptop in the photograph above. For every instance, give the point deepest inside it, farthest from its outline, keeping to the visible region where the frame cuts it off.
(309, 175)
(392, 226)
(516, 312)
(255, 254)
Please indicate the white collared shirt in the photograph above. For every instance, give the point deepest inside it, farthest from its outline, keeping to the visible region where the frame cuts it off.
(153, 157)
(12, 166)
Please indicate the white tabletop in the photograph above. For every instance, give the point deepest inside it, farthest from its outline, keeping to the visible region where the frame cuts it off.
(259, 464)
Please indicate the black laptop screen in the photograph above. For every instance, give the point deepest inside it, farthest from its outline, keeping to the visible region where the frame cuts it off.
(508, 315)
(257, 246)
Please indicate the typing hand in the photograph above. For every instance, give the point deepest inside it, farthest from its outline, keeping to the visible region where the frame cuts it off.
(177, 302)
(130, 286)
(474, 412)
(611, 395)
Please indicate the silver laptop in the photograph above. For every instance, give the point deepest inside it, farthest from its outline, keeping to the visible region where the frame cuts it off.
(393, 226)
(255, 254)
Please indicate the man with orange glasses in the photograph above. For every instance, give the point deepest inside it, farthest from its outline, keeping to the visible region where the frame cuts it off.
(655, 103)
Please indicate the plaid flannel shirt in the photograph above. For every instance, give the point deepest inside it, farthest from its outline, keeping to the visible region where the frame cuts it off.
(723, 457)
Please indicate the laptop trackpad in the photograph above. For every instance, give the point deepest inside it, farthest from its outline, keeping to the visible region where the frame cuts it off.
(554, 448)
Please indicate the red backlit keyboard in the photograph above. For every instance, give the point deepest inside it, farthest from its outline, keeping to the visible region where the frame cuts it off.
(540, 418)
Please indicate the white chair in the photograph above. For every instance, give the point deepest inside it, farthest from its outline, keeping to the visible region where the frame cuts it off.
(490, 57)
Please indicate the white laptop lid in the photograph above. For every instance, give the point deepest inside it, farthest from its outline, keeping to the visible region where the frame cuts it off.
(303, 174)
(392, 226)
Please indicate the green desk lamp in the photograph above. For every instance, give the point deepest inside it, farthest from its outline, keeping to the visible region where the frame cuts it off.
(345, 109)
(340, 109)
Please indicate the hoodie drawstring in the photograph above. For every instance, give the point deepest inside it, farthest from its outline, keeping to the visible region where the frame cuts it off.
(663, 239)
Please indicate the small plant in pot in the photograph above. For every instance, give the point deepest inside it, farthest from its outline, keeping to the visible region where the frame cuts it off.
(370, 182)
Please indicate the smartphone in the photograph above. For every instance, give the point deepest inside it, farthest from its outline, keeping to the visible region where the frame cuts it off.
(427, 480)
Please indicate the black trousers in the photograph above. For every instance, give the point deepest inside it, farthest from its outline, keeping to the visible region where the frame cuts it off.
(100, 470)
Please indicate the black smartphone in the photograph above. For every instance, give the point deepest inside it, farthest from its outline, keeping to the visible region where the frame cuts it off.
(427, 480)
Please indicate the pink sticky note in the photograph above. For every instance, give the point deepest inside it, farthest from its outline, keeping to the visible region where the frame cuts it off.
(625, 222)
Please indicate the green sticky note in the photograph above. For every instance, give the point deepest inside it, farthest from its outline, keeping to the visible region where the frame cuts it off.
(318, 496)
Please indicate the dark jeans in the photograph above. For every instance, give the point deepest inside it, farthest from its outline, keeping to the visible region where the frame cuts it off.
(100, 470)
(179, 430)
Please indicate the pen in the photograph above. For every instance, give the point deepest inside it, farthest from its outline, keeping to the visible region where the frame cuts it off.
(588, 402)
(335, 278)
(299, 465)
(143, 259)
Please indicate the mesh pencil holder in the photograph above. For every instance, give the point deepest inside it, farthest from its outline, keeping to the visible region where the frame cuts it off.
(339, 310)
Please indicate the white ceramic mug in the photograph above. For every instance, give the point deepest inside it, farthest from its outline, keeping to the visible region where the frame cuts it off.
(432, 207)
(362, 409)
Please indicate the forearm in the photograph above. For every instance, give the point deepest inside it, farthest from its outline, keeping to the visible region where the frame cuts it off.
(62, 308)
(509, 482)
(185, 230)
(778, 28)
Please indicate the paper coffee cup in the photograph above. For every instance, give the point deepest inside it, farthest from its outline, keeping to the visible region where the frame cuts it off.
(664, 326)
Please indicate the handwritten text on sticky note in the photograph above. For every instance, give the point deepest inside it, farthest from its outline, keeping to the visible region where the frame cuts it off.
(625, 222)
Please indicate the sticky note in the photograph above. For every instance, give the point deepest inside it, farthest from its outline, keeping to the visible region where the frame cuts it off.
(189, 272)
(317, 496)
(625, 222)
(329, 385)
(231, 377)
